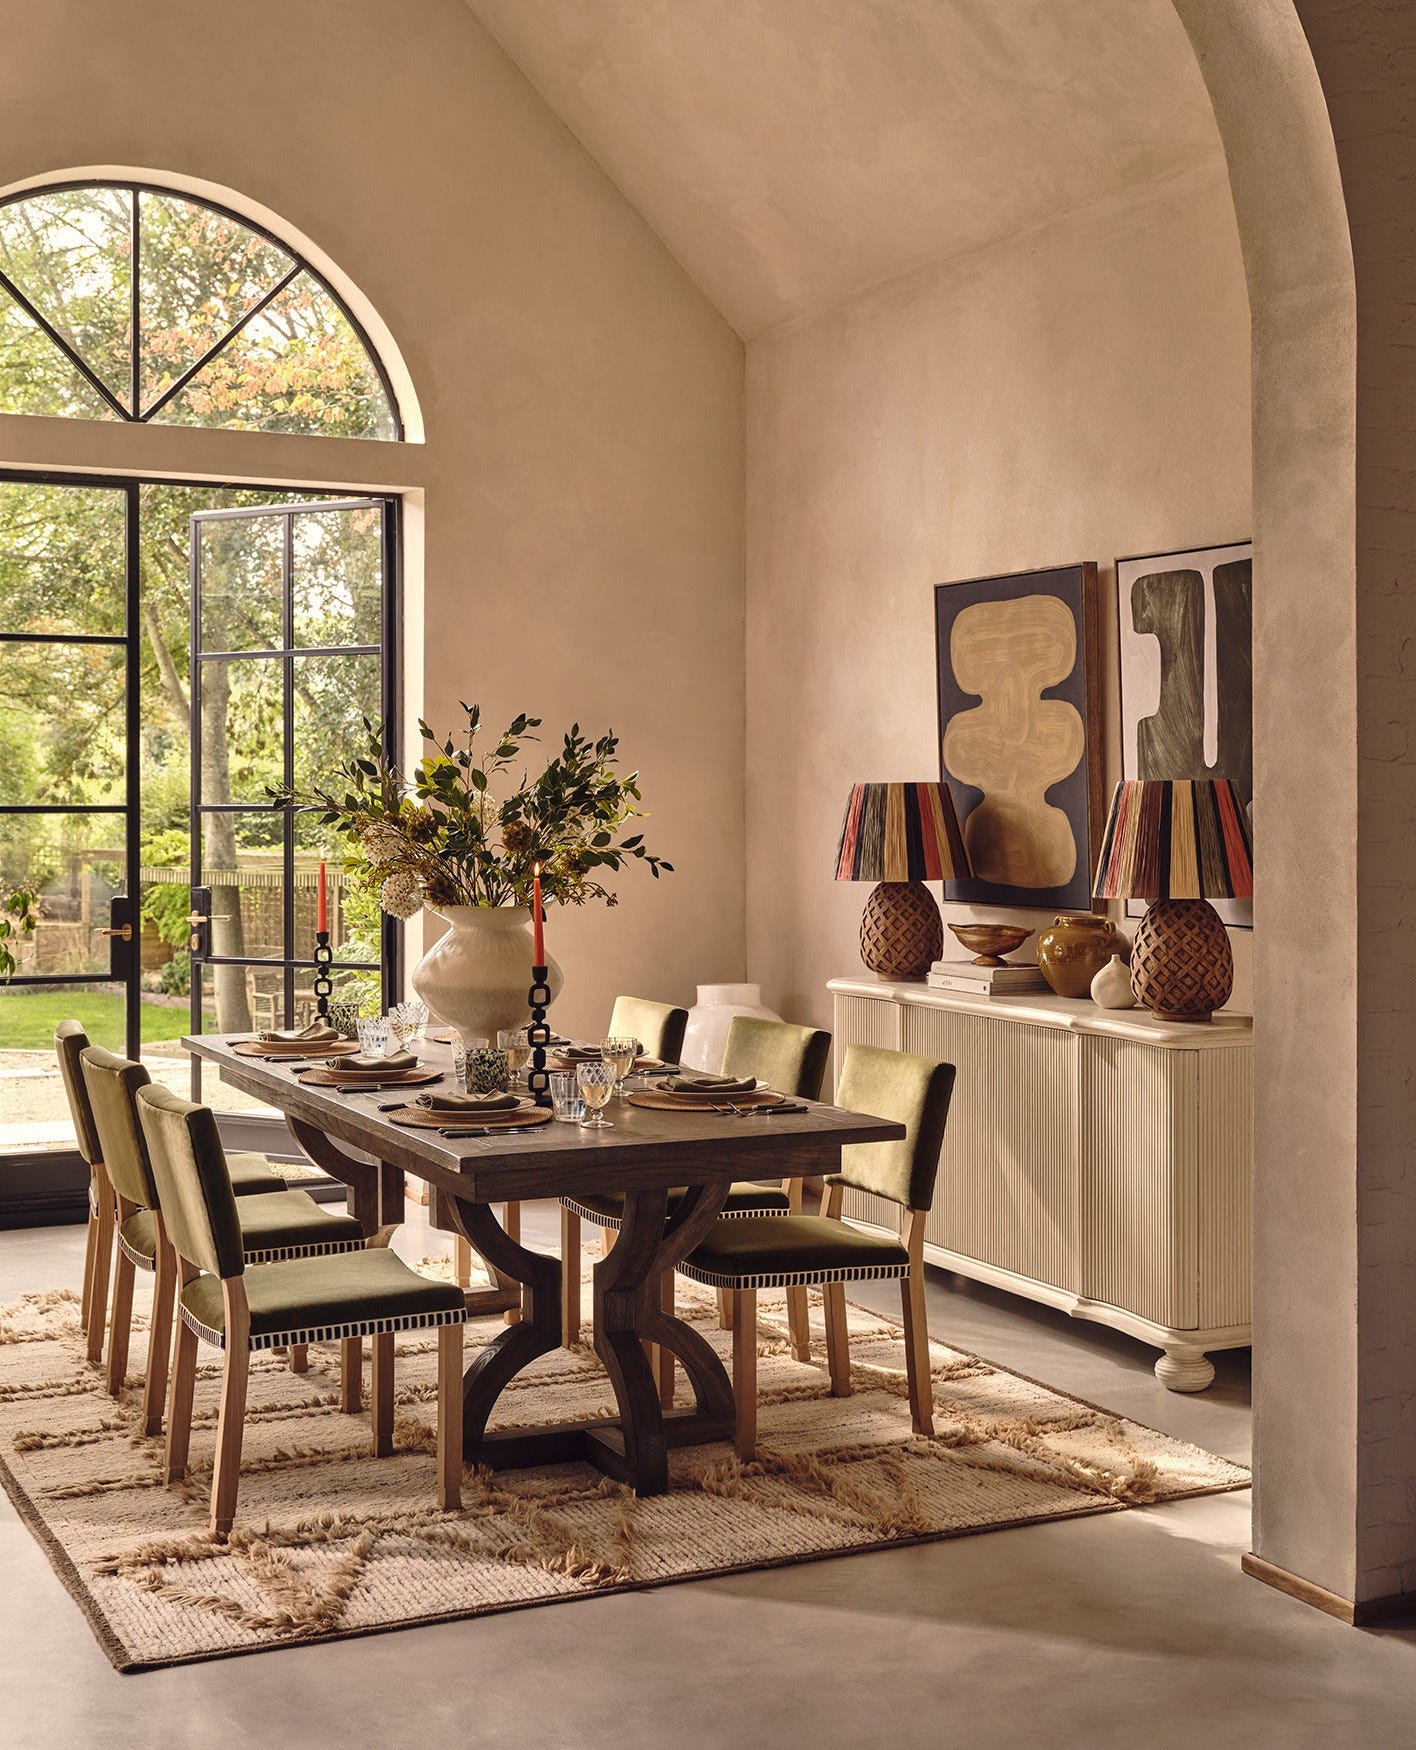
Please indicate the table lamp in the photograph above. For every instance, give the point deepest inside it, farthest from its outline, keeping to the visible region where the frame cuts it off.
(900, 836)
(1178, 842)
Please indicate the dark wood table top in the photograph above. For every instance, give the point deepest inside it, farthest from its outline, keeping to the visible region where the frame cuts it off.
(646, 1149)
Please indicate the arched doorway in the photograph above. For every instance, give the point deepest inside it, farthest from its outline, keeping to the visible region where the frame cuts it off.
(174, 648)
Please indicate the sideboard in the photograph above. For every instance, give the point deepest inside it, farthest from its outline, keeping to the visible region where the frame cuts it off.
(1096, 1160)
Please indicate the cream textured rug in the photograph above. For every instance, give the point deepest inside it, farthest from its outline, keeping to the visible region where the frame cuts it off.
(330, 1542)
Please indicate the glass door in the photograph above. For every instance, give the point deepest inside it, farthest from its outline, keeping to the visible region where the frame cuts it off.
(69, 731)
(289, 639)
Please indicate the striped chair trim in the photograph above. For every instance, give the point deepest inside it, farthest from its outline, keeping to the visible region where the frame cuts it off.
(320, 1249)
(794, 1278)
(331, 1333)
(597, 1219)
(140, 1259)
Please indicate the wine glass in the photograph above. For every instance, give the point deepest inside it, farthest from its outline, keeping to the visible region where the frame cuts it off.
(516, 1043)
(597, 1083)
(620, 1053)
(407, 1022)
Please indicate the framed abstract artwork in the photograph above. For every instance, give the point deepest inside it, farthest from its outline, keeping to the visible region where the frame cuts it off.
(1187, 673)
(1020, 733)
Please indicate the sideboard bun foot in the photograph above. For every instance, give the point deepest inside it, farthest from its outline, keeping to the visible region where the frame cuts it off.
(1184, 1369)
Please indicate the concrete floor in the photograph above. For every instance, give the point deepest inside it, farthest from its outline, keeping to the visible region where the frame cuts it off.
(1134, 1629)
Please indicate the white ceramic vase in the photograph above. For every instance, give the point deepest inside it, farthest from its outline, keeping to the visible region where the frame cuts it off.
(476, 976)
(706, 1036)
(1111, 988)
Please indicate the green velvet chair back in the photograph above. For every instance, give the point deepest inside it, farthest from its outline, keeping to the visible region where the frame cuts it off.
(792, 1059)
(193, 1186)
(113, 1084)
(70, 1041)
(657, 1026)
(915, 1092)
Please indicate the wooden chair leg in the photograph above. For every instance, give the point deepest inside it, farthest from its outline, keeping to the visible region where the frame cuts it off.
(351, 1374)
(102, 1274)
(799, 1323)
(382, 1394)
(230, 1426)
(449, 1417)
(299, 1358)
(462, 1261)
(917, 1354)
(179, 1402)
(164, 1295)
(90, 1253)
(745, 1371)
(725, 1310)
(838, 1344)
(570, 1277)
(121, 1323)
(664, 1366)
(511, 1221)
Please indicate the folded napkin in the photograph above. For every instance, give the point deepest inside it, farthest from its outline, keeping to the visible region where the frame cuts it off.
(710, 1084)
(317, 1033)
(580, 1053)
(366, 1065)
(468, 1102)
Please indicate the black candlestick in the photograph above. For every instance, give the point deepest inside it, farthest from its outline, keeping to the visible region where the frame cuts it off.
(324, 987)
(538, 1034)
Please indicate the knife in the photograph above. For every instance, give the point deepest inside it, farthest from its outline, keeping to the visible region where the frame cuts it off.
(770, 1111)
(382, 1087)
(493, 1130)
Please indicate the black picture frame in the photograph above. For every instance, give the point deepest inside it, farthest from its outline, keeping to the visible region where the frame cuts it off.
(1077, 794)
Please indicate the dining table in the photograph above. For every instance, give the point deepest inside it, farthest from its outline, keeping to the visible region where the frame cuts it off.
(694, 1154)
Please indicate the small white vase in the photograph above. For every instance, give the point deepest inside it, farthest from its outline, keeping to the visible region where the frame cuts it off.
(706, 1036)
(1111, 988)
(477, 975)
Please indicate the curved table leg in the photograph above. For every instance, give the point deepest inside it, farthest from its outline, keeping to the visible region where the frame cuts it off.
(536, 1332)
(634, 1447)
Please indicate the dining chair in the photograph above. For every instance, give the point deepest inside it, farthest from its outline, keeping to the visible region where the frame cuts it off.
(793, 1060)
(251, 1174)
(281, 1224)
(659, 1027)
(69, 1042)
(747, 1255)
(244, 1309)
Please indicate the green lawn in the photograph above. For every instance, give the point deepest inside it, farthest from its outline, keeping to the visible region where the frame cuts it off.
(28, 1018)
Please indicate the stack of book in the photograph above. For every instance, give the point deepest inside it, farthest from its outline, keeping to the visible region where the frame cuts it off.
(986, 981)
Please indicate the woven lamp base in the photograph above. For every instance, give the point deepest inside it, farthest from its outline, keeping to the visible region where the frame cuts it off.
(901, 931)
(1182, 967)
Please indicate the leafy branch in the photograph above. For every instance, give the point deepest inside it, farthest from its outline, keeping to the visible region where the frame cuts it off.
(440, 836)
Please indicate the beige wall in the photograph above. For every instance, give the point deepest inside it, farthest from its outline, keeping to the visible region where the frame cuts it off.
(577, 503)
(1078, 392)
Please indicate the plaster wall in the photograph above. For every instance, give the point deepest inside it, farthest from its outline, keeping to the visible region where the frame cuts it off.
(575, 538)
(1080, 391)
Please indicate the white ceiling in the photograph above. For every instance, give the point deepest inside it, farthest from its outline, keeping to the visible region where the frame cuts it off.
(792, 152)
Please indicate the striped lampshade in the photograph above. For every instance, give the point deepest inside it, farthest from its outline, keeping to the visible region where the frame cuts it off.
(901, 832)
(1176, 838)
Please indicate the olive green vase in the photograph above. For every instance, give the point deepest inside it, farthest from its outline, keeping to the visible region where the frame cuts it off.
(1073, 949)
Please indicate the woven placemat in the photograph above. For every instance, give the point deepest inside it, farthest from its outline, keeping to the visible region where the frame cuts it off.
(659, 1101)
(421, 1118)
(256, 1048)
(335, 1078)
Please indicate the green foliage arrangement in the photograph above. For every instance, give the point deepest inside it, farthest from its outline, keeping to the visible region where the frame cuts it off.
(439, 836)
(16, 920)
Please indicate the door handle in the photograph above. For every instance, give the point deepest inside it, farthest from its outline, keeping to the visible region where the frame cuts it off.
(124, 932)
(200, 917)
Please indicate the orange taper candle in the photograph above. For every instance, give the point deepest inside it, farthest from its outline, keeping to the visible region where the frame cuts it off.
(538, 941)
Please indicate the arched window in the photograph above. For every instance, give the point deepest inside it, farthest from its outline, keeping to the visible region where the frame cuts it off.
(121, 301)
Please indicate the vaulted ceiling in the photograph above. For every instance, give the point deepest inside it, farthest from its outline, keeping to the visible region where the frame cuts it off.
(792, 152)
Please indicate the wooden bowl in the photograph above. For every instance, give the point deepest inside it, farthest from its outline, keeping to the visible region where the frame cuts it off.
(988, 943)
